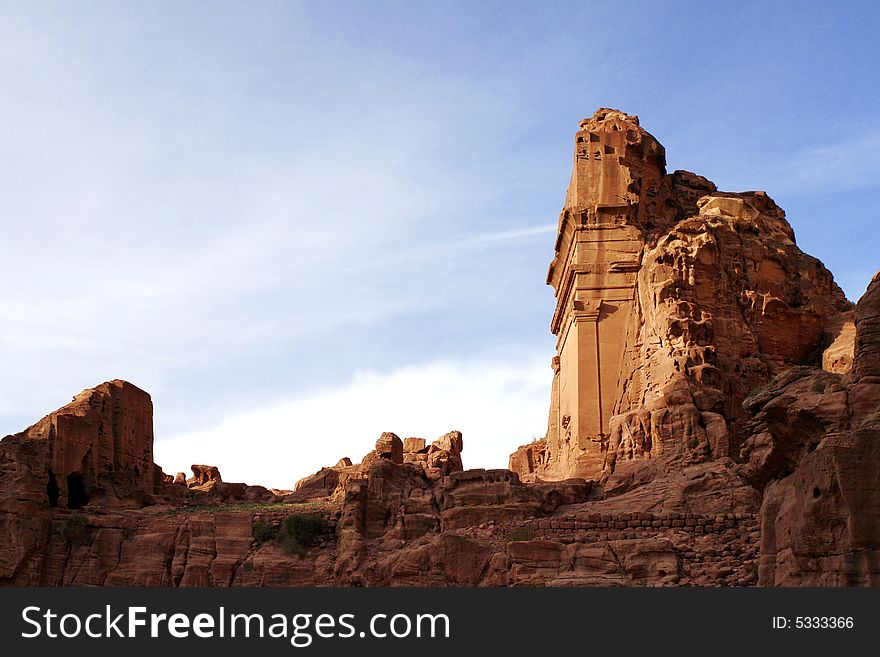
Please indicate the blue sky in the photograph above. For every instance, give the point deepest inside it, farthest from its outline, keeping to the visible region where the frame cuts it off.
(300, 224)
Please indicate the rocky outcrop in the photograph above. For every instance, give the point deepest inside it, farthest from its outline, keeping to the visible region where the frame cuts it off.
(675, 301)
(322, 484)
(444, 456)
(390, 447)
(528, 460)
(98, 448)
(440, 458)
(840, 336)
(81, 482)
(814, 450)
(163, 547)
(427, 523)
(723, 324)
(204, 475)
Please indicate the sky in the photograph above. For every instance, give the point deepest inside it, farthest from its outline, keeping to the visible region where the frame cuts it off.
(298, 225)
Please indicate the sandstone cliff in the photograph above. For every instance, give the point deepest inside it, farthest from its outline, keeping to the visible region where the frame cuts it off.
(674, 302)
(814, 447)
(98, 447)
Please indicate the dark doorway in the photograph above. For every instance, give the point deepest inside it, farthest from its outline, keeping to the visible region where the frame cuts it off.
(52, 489)
(76, 491)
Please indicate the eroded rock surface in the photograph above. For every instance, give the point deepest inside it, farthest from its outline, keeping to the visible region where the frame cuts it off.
(674, 302)
(98, 449)
(437, 459)
(815, 450)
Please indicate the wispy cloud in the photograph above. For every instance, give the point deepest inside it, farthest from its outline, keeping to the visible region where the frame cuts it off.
(846, 165)
(192, 221)
(506, 235)
(496, 404)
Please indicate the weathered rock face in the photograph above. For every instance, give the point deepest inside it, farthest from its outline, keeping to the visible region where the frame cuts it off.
(158, 547)
(840, 335)
(390, 447)
(429, 524)
(98, 447)
(815, 450)
(96, 450)
(204, 474)
(440, 458)
(77, 490)
(674, 301)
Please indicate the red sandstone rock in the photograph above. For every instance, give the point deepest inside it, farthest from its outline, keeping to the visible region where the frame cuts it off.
(204, 474)
(674, 302)
(390, 447)
(414, 445)
(97, 448)
(322, 484)
(528, 460)
(840, 336)
(440, 458)
(814, 448)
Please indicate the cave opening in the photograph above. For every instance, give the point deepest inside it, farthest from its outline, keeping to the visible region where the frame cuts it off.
(52, 489)
(76, 491)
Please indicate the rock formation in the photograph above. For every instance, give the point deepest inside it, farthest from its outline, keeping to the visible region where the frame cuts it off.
(815, 450)
(674, 302)
(440, 458)
(714, 421)
(203, 475)
(97, 448)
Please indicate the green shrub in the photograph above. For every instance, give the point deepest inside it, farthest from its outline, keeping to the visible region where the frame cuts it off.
(295, 534)
(520, 534)
(263, 531)
(302, 527)
(819, 386)
(74, 529)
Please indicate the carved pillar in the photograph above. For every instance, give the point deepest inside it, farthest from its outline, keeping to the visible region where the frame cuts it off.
(594, 273)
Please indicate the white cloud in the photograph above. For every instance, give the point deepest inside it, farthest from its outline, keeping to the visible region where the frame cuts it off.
(496, 404)
(512, 234)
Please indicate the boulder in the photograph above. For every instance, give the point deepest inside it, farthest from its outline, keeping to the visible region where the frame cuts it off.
(204, 474)
(390, 447)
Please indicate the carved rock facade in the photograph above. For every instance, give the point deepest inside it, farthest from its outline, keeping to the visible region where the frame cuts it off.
(674, 302)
